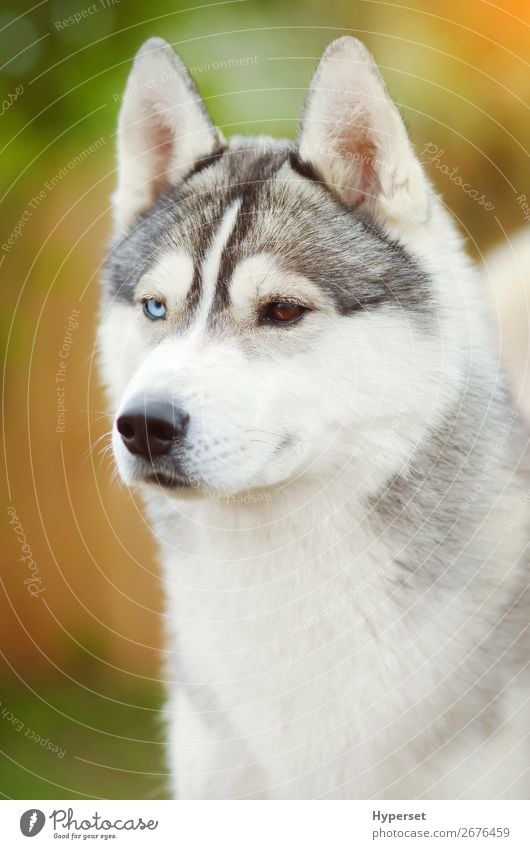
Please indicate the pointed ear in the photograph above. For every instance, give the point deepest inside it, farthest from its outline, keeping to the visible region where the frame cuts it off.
(163, 130)
(353, 136)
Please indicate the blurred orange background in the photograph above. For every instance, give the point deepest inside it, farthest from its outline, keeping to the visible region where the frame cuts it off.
(82, 656)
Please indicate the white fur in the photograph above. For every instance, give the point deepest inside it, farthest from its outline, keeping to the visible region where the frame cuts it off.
(169, 279)
(212, 263)
(506, 272)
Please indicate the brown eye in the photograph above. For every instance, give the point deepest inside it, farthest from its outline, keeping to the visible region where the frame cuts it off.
(282, 312)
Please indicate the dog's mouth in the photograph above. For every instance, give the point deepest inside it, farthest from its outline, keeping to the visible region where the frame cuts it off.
(167, 481)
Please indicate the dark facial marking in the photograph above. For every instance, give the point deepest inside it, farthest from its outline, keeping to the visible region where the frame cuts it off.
(299, 221)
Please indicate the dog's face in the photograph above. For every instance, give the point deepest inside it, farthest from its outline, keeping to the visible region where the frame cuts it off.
(263, 318)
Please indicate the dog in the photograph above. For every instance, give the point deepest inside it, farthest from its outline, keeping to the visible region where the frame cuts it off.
(304, 390)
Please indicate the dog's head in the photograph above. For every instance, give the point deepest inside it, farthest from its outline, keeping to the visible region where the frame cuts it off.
(272, 309)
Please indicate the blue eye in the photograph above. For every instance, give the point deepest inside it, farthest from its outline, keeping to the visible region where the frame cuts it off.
(154, 309)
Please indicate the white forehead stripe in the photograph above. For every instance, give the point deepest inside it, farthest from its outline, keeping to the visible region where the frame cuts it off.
(212, 262)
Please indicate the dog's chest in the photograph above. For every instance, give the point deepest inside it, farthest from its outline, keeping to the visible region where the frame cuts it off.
(302, 654)
(285, 643)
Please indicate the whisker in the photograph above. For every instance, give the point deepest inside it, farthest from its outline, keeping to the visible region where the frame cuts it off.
(94, 445)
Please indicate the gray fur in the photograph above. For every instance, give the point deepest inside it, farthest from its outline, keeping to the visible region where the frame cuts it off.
(340, 249)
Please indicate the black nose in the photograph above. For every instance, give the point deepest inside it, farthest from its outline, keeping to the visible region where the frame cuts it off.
(149, 428)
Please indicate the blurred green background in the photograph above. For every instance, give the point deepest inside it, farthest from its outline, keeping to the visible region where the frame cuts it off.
(82, 676)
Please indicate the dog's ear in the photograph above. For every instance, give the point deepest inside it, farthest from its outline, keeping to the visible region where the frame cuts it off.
(353, 136)
(163, 130)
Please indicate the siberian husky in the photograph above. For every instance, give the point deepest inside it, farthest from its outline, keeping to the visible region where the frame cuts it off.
(299, 363)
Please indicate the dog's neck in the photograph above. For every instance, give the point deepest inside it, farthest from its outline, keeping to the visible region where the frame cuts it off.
(295, 549)
(303, 552)
(289, 512)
